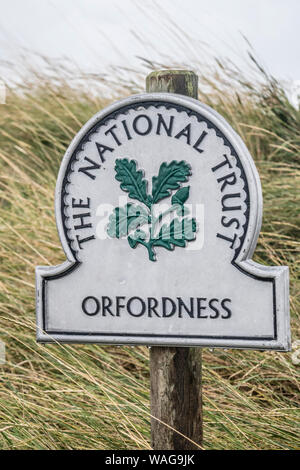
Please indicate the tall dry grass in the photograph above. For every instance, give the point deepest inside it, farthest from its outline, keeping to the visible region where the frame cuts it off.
(88, 396)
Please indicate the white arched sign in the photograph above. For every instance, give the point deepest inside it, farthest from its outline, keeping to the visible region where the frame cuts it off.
(158, 209)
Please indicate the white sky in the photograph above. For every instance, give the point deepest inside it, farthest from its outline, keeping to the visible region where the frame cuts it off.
(95, 33)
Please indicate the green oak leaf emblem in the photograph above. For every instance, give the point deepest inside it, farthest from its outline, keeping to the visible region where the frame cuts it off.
(138, 222)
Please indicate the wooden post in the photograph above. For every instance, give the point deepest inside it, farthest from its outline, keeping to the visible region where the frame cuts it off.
(175, 373)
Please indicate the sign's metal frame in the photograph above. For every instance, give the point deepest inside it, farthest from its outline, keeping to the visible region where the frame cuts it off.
(278, 275)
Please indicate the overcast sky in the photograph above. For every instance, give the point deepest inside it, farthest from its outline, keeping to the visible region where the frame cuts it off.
(95, 33)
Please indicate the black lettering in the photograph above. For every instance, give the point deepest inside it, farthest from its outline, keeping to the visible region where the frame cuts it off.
(201, 307)
(164, 307)
(119, 305)
(80, 241)
(86, 169)
(220, 165)
(212, 307)
(112, 132)
(227, 179)
(230, 222)
(231, 240)
(232, 208)
(186, 132)
(161, 122)
(199, 141)
(149, 122)
(106, 304)
(189, 310)
(102, 149)
(151, 307)
(226, 308)
(82, 223)
(143, 305)
(126, 130)
(91, 311)
(81, 204)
